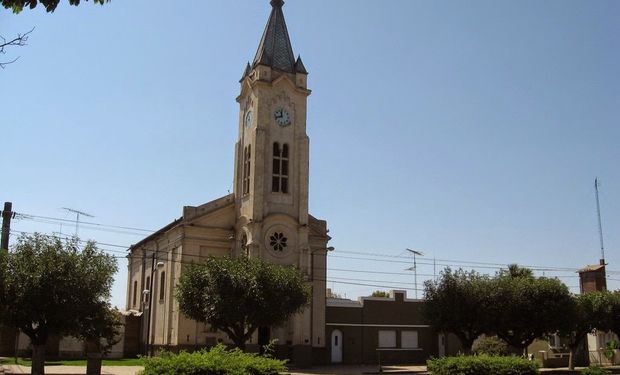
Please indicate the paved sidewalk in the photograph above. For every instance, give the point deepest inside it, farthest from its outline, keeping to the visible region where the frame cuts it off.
(357, 370)
(69, 370)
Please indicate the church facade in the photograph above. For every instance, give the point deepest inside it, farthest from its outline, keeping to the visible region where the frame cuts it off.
(266, 216)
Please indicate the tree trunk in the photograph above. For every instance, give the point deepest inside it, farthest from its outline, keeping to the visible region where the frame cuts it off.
(571, 359)
(240, 344)
(467, 344)
(38, 359)
(93, 364)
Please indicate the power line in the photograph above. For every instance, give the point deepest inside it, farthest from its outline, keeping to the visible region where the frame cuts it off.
(57, 219)
(465, 263)
(444, 262)
(335, 280)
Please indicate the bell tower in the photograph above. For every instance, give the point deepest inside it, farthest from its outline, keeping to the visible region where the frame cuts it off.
(271, 181)
(271, 156)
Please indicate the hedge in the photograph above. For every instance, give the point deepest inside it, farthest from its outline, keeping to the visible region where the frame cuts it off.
(481, 365)
(217, 361)
(594, 370)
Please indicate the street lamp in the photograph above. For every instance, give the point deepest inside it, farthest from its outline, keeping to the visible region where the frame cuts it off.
(415, 270)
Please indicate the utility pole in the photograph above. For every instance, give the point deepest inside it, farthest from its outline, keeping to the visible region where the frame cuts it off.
(7, 215)
(150, 307)
(600, 226)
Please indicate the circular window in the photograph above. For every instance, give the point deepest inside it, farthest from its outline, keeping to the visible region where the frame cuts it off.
(278, 241)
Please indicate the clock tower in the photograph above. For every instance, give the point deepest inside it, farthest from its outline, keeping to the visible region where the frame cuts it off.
(271, 178)
(271, 155)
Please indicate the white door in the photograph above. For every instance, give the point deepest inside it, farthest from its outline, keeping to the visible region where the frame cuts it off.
(441, 341)
(336, 346)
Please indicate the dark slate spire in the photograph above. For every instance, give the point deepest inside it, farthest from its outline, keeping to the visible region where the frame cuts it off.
(275, 46)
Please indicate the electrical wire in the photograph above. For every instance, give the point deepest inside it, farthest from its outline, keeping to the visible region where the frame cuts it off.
(332, 279)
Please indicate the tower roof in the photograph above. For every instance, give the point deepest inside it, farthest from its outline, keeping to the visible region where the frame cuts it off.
(275, 48)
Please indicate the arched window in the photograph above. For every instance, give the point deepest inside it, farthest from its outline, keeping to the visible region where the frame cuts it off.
(247, 154)
(135, 293)
(162, 285)
(279, 180)
(148, 287)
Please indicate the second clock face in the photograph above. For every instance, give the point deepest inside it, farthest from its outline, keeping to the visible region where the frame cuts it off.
(282, 117)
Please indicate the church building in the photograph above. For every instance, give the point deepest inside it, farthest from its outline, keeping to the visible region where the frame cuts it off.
(266, 216)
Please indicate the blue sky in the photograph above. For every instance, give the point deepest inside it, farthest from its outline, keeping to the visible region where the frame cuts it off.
(471, 131)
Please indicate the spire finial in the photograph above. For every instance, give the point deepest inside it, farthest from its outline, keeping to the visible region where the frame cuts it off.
(277, 3)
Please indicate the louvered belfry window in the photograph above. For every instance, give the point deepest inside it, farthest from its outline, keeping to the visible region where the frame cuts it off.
(247, 155)
(280, 172)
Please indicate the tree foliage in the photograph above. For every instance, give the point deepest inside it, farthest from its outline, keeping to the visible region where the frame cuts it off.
(458, 303)
(380, 293)
(237, 296)
(613, 321)
(100, 328)
(50, 5)
(584, 314)
(490, 345)
(514, 305)
(54, 288)
(525, 307)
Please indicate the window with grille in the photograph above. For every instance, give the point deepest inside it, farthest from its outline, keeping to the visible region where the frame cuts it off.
(279, 182)
(247, 156)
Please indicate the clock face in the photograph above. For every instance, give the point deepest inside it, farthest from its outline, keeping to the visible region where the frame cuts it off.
(248, 119)
(282, 117)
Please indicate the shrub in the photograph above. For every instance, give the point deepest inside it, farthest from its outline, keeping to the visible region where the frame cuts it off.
(610, 350)
(481, 365)
(217, 361)
(491, 345)
(594, 370)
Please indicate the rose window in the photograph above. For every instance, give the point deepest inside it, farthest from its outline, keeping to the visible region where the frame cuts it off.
(277, 241)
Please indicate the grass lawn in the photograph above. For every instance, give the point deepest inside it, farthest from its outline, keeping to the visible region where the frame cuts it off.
(74, 362)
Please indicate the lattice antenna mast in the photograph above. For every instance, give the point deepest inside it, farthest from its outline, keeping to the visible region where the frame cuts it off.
(77, 217)
(600, 226)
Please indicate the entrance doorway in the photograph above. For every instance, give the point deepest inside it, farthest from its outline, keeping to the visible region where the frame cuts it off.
(336, 346)
(441, 341)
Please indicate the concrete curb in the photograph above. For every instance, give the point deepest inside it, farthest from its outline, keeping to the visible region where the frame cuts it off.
(71, 370)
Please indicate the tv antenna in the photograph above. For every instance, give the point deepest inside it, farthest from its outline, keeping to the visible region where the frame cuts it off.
(415, 270)
(600, 226)
(77, 218)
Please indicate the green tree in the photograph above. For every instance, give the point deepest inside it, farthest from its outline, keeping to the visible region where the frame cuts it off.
(50, 5)
(380, 293)
(514, 270)
(613, 314)
(458, 303)
(524, 307)
(584, 314)
(237, 296)
(100, 330)
(490, 345)
(51, 288)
